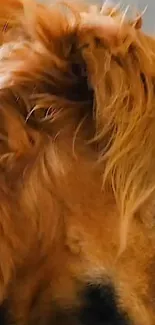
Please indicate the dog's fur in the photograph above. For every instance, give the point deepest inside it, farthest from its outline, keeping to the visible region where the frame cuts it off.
(77, 166)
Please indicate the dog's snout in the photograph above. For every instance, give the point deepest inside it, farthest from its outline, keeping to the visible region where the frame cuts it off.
(101, 307)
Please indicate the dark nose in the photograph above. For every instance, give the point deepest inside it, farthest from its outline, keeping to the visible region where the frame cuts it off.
(101, 307)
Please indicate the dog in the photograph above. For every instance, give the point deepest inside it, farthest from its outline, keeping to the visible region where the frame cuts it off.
(77, 166)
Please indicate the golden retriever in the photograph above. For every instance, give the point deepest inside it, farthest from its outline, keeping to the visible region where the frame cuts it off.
(77, 166)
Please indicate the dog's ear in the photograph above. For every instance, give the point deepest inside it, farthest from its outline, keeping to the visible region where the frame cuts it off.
(120, 65)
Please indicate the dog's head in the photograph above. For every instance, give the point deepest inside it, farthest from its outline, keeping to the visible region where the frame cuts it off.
(77, 164)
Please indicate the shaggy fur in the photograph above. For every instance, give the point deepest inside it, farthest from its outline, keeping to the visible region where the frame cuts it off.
(77, 166)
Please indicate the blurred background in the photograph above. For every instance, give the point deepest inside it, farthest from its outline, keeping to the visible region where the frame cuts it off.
(149, 16)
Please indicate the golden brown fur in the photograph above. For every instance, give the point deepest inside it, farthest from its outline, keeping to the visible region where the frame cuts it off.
(77, 161)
